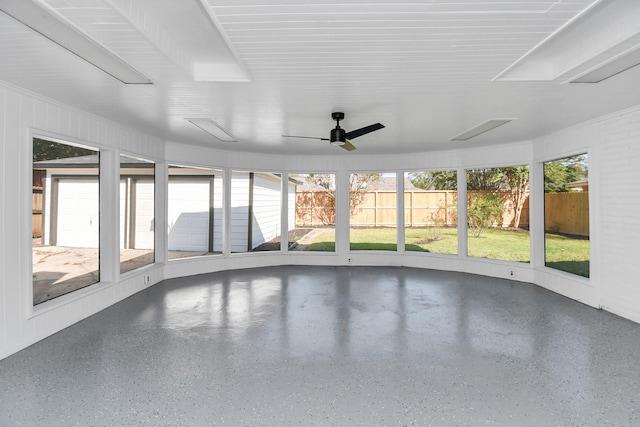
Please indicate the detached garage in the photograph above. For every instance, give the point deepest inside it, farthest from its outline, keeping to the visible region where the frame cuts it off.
(71, 203)
(195, 206)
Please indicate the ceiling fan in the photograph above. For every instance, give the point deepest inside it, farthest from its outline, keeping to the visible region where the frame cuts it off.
(339, 136)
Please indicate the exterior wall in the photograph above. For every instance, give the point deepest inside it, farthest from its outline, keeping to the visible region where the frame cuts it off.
(291, 206)
(218, 226)
(239, 211)
(266, 208)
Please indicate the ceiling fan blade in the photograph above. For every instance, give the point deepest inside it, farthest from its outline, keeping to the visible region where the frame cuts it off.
(348, 146)
(363, 131)
(305, 137)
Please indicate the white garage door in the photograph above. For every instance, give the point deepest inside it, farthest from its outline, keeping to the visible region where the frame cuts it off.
(77, 221)
(188, 215)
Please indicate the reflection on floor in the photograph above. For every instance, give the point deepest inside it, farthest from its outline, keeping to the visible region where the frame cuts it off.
(332, 346)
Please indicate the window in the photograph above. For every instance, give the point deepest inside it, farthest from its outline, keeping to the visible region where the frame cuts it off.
(431, 211)
(256, 219)
(566, 214)
(312, 212)
(137, 213)
(65, 217)
(373, 211)
(194, 214)
(498, 213)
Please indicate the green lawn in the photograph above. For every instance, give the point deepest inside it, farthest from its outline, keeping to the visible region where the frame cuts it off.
(507, 245)
(563, 253)
(567, 254)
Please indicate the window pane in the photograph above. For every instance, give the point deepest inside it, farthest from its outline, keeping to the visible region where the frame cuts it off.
(194, 212)
(256, 219)
(566, 214)
(137, 213)
(66, 218)
(314, 212)
(498, 213)
(373, 212)
(431, 211)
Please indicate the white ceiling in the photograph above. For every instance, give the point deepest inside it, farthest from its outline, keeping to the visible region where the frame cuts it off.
(424, 69)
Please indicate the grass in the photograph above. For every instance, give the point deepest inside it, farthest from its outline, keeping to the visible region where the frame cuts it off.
(567, 254)
(562, 252)
(507, 245)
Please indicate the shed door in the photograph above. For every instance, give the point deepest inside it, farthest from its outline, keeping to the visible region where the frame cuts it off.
(77, 219)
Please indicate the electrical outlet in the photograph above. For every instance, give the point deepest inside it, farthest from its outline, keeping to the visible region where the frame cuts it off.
(146, 279)
(349, 260)
(512, 273)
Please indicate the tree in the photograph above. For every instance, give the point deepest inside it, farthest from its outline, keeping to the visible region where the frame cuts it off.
(513, 180)
(484, 210)
(358, 187)
(435, 180)
(517, 179)
(487, 179)
(49, 150)
(558, 173)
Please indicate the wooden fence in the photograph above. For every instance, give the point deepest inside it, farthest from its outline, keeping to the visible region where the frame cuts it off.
(567, 213)
(36, 213)
(379, 209)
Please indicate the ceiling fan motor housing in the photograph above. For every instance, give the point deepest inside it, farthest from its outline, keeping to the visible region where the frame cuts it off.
(337, 136)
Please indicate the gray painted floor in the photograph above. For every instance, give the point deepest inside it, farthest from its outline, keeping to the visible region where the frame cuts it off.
(332, 346)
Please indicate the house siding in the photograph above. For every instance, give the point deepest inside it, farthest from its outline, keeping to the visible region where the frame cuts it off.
(267, 222)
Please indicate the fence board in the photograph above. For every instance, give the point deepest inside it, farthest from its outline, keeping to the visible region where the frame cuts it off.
(567, 213)
(36, 214)
(379, 208)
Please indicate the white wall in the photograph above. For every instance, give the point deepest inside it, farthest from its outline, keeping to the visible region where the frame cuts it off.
(614, 197)
(615, 227)
(291, 206)
(22, 115)
(267, 221)
(218, 211)
(239, 211)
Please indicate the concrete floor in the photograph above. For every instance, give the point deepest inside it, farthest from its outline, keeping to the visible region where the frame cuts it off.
(330, 346)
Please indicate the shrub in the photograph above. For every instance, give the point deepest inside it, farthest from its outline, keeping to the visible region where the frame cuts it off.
(484, 210)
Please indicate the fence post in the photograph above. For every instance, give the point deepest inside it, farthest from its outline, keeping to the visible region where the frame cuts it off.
(375, 209)
(410, 209)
